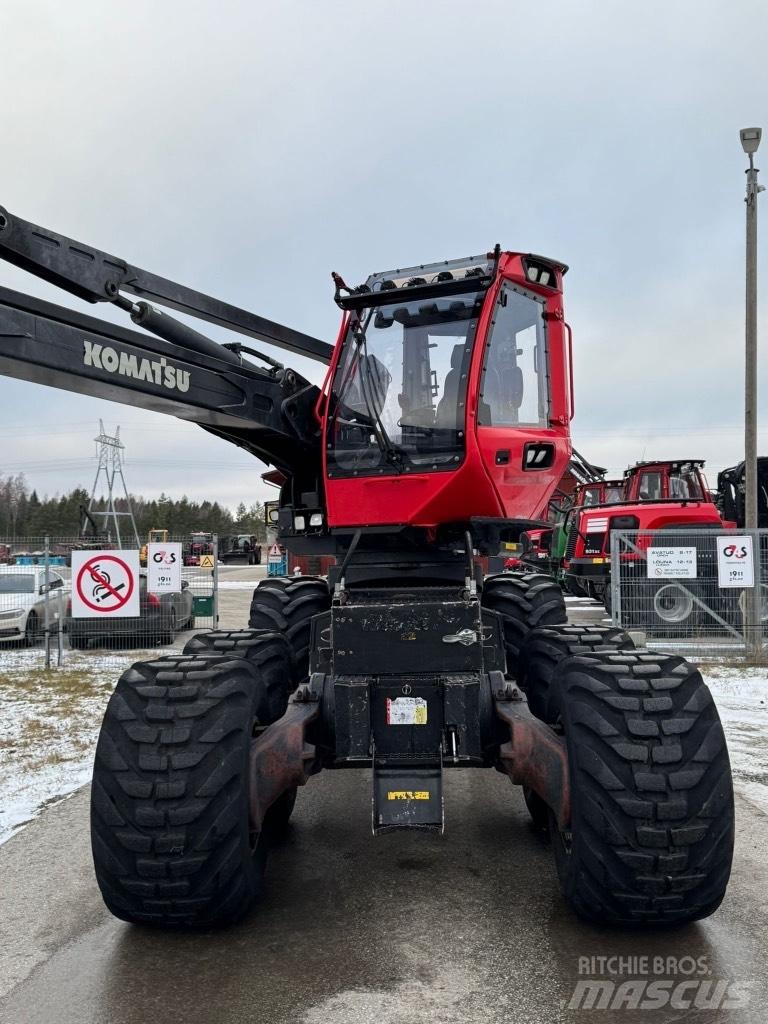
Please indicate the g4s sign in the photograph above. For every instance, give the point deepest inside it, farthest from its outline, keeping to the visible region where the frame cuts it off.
(735, 566)
(163, 568)
(736, 551)
(164, 557)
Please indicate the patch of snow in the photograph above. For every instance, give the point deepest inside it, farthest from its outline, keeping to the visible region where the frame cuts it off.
(741, 696)
(48, 731)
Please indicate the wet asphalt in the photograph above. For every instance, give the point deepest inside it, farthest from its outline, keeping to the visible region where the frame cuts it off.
(401, 929)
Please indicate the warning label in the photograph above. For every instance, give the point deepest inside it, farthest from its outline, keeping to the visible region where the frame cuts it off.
(105, 584)
(406, 711)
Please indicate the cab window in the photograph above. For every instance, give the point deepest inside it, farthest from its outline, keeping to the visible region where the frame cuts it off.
(684, 484)
(592, 496)
(650, 486)
(513, 390)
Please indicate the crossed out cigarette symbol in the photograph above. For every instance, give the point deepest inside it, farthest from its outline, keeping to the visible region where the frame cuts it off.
(103, 587)
(102, 581)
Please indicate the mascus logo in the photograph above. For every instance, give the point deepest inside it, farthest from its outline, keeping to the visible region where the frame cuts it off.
(155, 371)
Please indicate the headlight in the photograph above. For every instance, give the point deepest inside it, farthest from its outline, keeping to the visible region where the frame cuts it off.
(11, 613)
(299, 523)
(316, 519)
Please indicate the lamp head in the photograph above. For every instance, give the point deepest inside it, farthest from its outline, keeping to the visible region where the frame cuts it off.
(750, 139)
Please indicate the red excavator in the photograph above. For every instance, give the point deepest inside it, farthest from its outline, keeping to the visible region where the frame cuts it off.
(440, 432)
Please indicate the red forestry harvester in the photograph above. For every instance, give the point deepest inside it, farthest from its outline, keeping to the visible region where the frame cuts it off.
(440, 432)
(669, 495)
(544, 547)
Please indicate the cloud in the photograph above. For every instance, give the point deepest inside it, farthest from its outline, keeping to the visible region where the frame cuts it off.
(249, 149)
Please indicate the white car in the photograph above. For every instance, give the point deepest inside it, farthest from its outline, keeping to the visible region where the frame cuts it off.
(22, 601)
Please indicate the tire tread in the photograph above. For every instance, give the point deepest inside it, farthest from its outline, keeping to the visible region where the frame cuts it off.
(653, 817)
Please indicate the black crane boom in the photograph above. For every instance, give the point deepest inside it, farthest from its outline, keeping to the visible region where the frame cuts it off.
(96, 276)
(268, 412)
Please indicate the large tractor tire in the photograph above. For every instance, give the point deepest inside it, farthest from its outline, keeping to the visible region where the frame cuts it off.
(287, 606)
(576, 585)
(650, 840)
(540, 654)
(543, 649)
(524, 601)
(671, 608)
(268, 652)
(172, 840)
(662, 608)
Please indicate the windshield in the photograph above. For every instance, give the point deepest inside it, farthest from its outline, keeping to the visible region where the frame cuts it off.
(399, 391)
(684, 483)
(17, 583)
(591, 496)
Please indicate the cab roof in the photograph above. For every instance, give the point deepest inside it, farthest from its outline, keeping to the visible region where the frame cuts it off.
(672, 463)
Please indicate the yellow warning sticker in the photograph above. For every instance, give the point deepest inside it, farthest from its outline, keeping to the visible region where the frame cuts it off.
(408, 794)
(206, 561)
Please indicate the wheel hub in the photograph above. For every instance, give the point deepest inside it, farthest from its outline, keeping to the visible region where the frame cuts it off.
(673, 603)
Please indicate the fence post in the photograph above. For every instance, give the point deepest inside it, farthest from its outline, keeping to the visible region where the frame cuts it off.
(47, 601)
(60, 630)
(753, 603)
(615, 581)
(215, 577)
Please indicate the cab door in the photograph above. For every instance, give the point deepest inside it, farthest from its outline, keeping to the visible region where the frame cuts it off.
(515, 432)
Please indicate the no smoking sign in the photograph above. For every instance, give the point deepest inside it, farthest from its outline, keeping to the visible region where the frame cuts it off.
(105, 584)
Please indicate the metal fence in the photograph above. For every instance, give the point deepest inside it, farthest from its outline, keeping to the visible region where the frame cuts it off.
(689, 589)
(37, 625)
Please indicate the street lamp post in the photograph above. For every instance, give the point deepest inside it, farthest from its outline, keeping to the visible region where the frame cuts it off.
(750, 140)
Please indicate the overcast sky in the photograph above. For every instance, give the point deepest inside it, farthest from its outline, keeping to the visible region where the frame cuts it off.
(249, 148)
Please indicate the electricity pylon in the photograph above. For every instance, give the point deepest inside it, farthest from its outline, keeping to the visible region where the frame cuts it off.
(109, 451)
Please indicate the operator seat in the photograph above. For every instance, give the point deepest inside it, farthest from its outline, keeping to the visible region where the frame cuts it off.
(447, 414)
